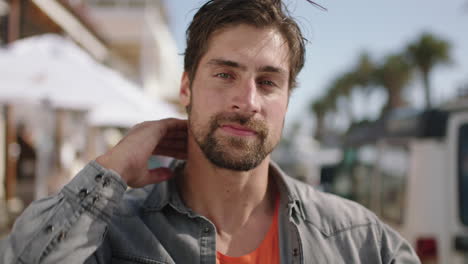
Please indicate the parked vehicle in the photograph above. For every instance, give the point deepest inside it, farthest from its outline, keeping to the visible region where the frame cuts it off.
(411, 169)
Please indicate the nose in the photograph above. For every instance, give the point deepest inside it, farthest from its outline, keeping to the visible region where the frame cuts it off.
(246, 98)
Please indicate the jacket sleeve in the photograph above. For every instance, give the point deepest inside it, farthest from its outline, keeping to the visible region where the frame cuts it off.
(395, 249)
(69, 226)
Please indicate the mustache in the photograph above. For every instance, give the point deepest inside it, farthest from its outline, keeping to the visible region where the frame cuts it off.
(254, 124)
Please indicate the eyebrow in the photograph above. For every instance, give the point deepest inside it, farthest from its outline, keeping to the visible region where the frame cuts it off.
(233, 64)
(229, 63)
(272, 69)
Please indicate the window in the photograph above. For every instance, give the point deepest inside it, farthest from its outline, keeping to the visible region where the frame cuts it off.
(352, 179)
(362, 172)
(393, 167)
(463, 173)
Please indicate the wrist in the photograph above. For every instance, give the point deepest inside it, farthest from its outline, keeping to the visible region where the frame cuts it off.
(107, 162)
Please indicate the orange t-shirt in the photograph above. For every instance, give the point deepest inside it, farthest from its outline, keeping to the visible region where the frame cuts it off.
(267, 252)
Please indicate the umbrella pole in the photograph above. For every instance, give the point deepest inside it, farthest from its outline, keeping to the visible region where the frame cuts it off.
(45, 151)
(14, 21)
(10, 129)
(91, 143)
(59, 123)
(11, 150)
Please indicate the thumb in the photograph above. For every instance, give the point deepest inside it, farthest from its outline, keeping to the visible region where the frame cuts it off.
(158, 175)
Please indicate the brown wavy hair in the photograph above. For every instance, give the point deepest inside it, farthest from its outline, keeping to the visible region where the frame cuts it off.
(218, 14)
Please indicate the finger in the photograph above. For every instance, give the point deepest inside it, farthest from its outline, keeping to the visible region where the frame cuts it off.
(169, 123)
(176, 144)
(173, 124)
(174, 153)
(176, 134)
(161, 128)
(177, 154)
(173, 148)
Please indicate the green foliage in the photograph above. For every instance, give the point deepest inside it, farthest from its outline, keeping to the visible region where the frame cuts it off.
(429, 51)
(393, 73)
(425, 54)
(364, 71)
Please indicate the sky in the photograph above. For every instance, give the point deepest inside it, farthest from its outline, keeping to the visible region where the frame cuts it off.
(337, 37)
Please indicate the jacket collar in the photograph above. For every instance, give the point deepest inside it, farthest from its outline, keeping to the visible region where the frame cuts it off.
(289, 194)
(166, 194)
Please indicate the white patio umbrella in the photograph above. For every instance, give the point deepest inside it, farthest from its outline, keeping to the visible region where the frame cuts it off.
(52, 68)
(40, 68)
(8, 94)
(135, 110)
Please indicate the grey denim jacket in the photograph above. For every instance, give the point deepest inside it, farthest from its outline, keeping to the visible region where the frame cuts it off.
(93, 220)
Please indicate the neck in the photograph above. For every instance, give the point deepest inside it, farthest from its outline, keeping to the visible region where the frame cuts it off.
(228, 198)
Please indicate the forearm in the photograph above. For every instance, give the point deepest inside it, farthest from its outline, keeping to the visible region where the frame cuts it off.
(69, 225)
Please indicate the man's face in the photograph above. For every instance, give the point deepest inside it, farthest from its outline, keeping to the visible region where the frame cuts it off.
(238, 99)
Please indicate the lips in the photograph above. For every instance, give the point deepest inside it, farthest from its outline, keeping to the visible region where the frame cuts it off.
(238, 130)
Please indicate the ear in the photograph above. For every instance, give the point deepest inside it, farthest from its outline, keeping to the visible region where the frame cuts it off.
(185, 93)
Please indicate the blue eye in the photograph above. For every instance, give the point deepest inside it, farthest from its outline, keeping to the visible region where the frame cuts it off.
(267, 82)
(223, 75)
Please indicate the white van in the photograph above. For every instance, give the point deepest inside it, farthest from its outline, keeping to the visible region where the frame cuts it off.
(412, 171)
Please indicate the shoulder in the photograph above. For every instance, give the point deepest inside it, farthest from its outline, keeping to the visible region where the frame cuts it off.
(352, 224)
(330, 213)
(133, 201)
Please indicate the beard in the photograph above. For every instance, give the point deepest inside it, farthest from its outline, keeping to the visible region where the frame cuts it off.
(236, 153)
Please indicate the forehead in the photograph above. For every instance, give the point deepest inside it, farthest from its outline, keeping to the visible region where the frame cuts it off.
(249, 45)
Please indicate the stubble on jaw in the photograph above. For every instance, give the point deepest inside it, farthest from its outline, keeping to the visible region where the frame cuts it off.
(233, 152)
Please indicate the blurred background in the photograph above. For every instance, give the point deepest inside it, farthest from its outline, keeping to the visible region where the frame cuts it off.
(380, 115)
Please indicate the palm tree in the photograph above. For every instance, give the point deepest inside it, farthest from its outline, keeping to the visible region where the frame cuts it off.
(364, 71)
(426, 53)
(340, 87)
(359, 77)
(393, 75)
(319, 108)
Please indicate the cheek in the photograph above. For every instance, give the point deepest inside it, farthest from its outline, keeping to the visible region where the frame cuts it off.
(207, 103)
(277, 116)
(203, 106)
